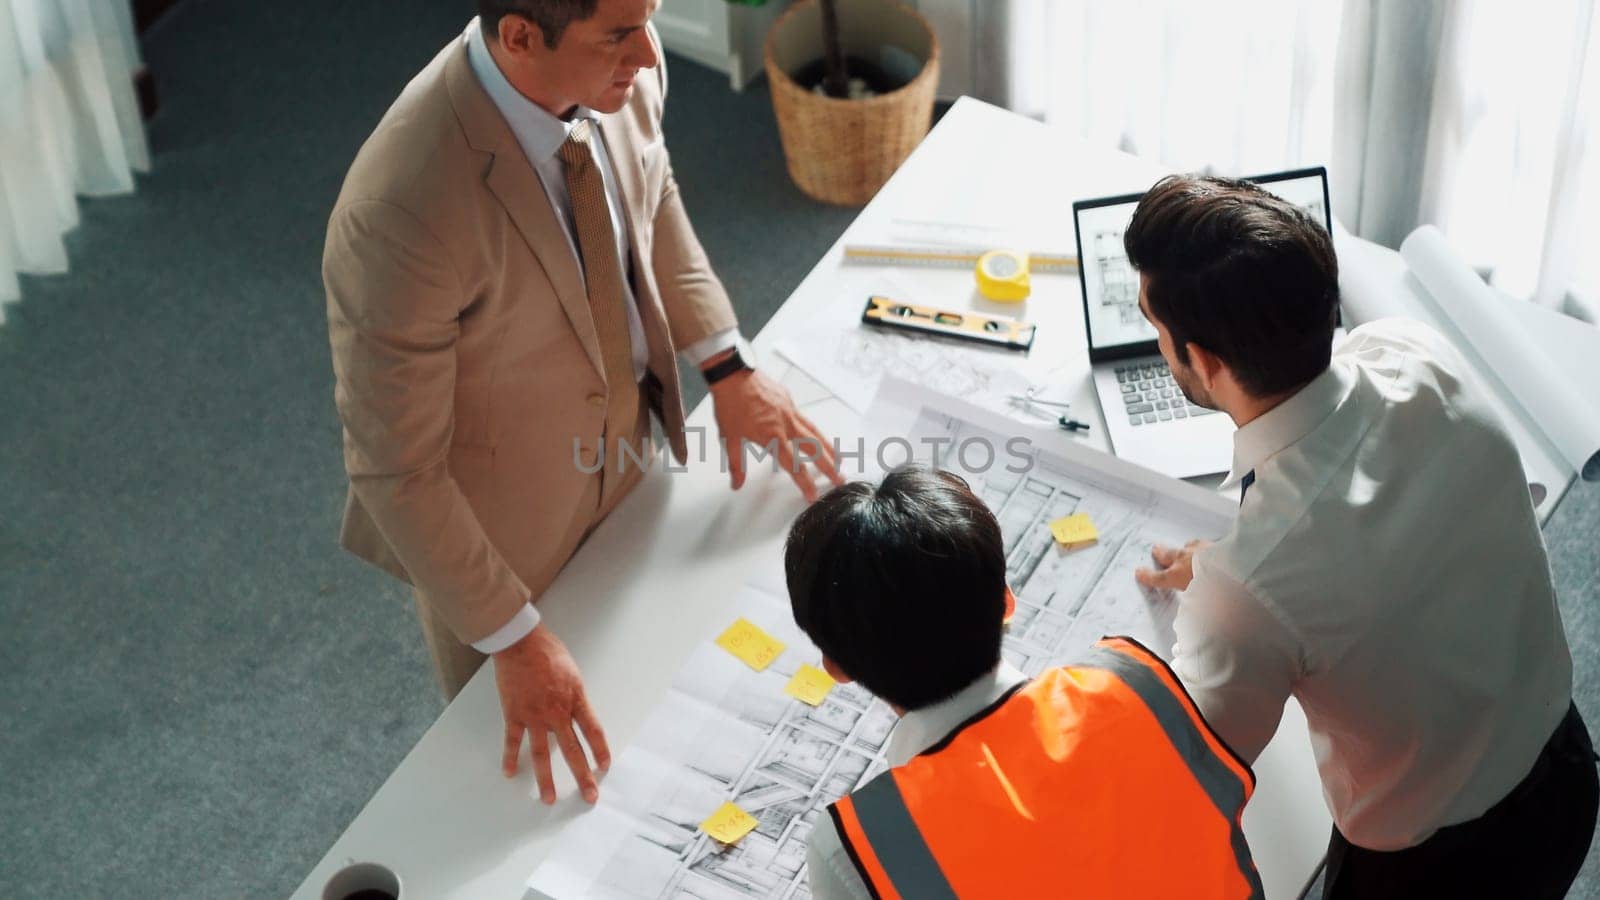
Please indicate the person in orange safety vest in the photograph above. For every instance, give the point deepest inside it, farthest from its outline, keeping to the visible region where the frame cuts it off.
(1096, 779)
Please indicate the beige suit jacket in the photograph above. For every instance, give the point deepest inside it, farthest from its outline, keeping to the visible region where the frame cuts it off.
(463, 347)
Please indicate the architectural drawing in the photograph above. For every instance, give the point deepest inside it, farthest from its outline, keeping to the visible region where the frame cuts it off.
(726, 732)
(852, 362)
(1119, 284)
(1066, 598)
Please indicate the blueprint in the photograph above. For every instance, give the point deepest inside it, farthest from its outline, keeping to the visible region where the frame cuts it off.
(851, 362)
(726, 732)
(1119, 283)
(1068, 598)
(851, 359)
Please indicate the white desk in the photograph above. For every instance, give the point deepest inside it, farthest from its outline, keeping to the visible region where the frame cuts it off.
(654, 578)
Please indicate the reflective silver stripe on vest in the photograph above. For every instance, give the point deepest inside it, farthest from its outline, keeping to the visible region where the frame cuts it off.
(896, 841)
(1221, 784)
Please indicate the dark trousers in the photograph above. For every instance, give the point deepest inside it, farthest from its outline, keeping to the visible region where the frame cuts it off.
(1529, 845)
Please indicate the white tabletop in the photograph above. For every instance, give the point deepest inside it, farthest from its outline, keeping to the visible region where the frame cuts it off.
(654, 578)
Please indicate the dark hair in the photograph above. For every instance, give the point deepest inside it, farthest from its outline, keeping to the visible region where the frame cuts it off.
(1248, 276)
(901, 584)
(552, 16)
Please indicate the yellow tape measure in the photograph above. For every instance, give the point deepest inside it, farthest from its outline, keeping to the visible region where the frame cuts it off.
(1002, 275)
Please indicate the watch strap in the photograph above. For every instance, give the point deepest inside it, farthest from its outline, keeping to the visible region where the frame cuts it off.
(734, 363)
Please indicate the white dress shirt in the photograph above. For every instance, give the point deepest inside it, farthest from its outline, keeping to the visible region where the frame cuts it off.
(828, 866)
(1387, 570)
(541, 135)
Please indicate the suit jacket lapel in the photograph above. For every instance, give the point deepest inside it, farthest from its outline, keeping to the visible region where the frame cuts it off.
(623, 150)
(511, 178)
(517, 186)
(629, 169)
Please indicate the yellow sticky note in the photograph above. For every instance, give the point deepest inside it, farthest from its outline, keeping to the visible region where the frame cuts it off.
(748, 642)
(809, 685)
(1074, 529)
(729, 823)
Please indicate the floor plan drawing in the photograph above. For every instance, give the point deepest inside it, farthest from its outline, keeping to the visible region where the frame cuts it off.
(1119, 283)
(1066, 598)
(728, 733)
(852, 362)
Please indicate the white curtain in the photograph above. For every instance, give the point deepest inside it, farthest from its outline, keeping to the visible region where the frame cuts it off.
(1479, 116)
(1237, 87)
(69, 124)
(1511, 175)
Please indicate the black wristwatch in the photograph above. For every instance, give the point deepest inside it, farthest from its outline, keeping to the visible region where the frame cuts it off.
(734, 363)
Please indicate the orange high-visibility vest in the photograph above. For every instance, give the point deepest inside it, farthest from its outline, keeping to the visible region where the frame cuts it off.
(1098, 779)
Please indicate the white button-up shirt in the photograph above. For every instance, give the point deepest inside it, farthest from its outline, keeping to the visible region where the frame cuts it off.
(541, 134)
(828, 867)
(1387, 570)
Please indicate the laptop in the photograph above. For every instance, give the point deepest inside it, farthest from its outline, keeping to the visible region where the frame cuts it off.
(1148, 420)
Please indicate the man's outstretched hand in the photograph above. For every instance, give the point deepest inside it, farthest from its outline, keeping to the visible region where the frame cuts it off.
(1174, 567)
(541, 693)
(752, 407)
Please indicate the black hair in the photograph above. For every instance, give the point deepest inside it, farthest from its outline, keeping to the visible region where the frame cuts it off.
(901, 584)
(552, 16)
(1248, 276)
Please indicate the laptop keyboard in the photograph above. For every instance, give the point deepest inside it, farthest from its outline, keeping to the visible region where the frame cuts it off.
(1150, 395)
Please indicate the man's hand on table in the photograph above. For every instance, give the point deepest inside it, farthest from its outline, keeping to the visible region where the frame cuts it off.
(752, 407)
(1174, 567)
(541, 692)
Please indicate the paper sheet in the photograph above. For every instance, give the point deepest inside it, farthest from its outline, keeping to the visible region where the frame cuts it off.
(1546, 393)
(1067, 598)
(850, 359)
(729, 734)
(724, 734)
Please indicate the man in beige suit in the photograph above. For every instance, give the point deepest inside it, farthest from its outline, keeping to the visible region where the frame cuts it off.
(510, 277)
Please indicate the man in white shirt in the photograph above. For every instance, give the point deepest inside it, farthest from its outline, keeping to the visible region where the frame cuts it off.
(1386, 568)
(511, 276)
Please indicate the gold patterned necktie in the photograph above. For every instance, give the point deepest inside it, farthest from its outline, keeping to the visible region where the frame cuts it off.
(602, 272)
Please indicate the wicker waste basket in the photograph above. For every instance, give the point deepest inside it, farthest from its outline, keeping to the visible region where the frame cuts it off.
(842, 151)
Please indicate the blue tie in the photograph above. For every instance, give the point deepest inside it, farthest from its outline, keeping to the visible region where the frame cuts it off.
(1249, 479)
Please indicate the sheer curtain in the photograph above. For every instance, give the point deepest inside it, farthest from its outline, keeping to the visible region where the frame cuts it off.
(1479, 116)
(69, 124)
(1511, 175)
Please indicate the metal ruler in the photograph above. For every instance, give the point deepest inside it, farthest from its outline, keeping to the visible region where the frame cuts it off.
(948, 257)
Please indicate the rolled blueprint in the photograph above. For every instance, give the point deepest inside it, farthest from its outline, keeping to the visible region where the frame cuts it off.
(1552, 403)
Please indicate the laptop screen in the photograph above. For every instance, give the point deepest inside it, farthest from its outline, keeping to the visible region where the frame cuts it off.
(1116, 329)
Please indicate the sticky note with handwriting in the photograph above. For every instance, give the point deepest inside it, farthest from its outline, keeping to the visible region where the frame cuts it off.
(748, 642)
(1074, 529)
(729, 823)
(809, 685)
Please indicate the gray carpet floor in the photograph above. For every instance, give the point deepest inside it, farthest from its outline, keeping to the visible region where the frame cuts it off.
(201, 690)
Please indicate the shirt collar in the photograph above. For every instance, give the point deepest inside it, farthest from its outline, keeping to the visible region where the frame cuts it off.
(920, 729)
(540, 133)
(1281, 426)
